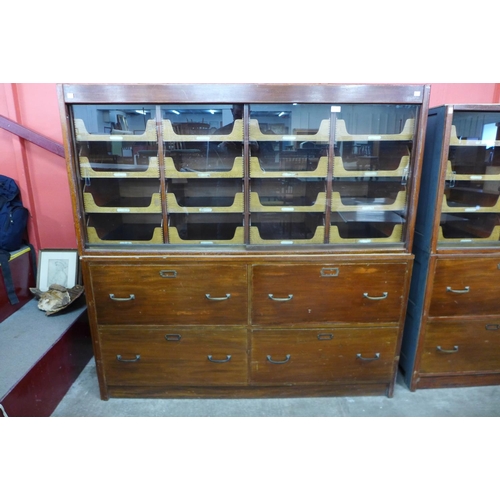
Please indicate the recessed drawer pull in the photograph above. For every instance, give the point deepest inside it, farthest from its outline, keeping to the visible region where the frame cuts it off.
(207, 295)
(121, 299)
(172, 337)
(492, 327)
(325, 336)
(280, 299)
(329, 272)
(287, 358)
(381, 297)
(168, 273)
(228, 357)
(447, 351)
(137, 358)
(377, 356)
(465, 290)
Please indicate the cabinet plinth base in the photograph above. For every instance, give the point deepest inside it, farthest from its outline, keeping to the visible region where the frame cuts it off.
(450, 381)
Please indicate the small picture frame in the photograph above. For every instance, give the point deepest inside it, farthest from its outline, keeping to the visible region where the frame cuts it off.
(57, 267)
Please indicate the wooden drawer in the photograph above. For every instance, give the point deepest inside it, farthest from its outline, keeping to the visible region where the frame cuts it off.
(156, 356)
(461, 346)
(170, 294)
(322, 356)
(464, 287)
(347, 293)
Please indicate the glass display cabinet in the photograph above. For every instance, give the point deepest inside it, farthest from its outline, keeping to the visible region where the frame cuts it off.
(451, 334)
(277, 219)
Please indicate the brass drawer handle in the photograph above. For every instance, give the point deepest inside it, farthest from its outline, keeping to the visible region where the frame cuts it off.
(207, 295)
(172, 337)
(447, 351)
(287, 358)
(121, 299)
(492, 327)
(137, 358)
(325, 336)
(329, 272)
(465, 290)
(377, 356)
(280, 299)
(228, 357)
(382, 297)
(168, 273)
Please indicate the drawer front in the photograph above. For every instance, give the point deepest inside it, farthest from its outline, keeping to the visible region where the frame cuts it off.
(155, 356)
(322, 356)
(461, 346)
(466, 287)
(301, 294)
(174, 295)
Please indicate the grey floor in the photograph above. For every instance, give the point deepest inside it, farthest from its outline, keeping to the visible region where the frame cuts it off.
(82, 400)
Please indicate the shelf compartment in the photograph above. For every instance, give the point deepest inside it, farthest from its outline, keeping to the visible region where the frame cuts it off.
(469, 228)
(256, 170)
(169, 135)
(322, 135)
(113, 171)
(287, 229)
(236, 171)
(257, 206)
(455, 141)
(118, 229)
(92, 207)
(452, 175)
(340, 169)
(353, 204)
(149, 134)
(341, 133)
(381, 237)
(473, 238)
(206, 229)
(460, 206)
(174, 207)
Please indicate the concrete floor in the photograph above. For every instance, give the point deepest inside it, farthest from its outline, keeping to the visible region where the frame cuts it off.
(82, 400)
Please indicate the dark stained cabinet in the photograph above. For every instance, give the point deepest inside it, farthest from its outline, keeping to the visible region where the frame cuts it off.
(245, 240)
(452, 328)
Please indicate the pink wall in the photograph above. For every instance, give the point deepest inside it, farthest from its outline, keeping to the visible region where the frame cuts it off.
(42, 175)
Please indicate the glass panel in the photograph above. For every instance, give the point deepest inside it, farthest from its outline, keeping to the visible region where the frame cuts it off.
(117, 153)
(470, 209)
(373, 148)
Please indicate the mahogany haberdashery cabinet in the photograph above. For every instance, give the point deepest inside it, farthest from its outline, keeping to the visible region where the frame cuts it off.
(245, 240)
(452, 331)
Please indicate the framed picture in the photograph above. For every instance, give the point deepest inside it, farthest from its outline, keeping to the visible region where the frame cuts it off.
(57, 267)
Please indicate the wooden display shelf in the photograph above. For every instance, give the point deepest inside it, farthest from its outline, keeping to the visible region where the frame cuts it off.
(257, 206)
(149, 134)
(455, 141)
(93, 237)
(236, 207)
(340, 171)
(172, 173)
(341, 133)
(118, 170)
(256, 171)
(394, 237)
(238, 239)
(318, 238)
(169, 135)
(92, 207)
(322, 135)
(451, 175)
(445, 208)
(494, 236)
(338, 206)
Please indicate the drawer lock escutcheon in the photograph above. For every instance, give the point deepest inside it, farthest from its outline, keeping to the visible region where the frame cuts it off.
(325, 336)
(492, 327)
(121, 299)
(172, 337)
(271, 360)
(359, 356)
(381, 297)
(280, 299)
(209, 297)
(465, 290)
(137, 358)
(168, 273)
(447, 351)
(329, 272)
(210, 358)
